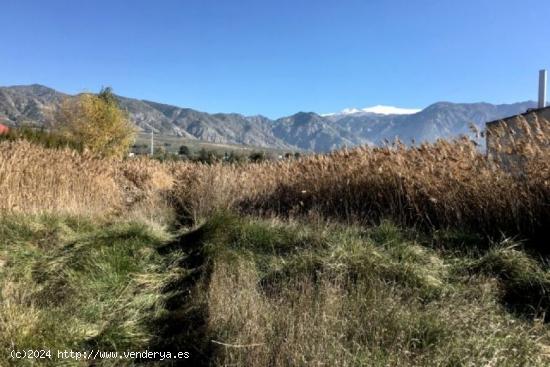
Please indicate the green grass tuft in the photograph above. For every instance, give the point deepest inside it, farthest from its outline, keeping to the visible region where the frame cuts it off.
(72, 283)
(525, 282)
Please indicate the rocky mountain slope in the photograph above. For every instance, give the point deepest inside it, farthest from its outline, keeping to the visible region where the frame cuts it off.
(31, 104)
(303, 130)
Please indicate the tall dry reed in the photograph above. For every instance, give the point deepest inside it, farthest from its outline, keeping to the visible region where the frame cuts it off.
(448, 183)
(35, 179)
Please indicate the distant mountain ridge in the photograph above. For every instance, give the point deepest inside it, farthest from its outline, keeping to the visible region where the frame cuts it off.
(303, 130)
(31, 104)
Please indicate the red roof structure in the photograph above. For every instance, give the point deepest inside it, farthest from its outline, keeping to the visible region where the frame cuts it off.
(4, 129)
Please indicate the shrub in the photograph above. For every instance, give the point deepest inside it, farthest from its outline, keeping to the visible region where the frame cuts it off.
(184, 150)
(258, 157)
(97, 123)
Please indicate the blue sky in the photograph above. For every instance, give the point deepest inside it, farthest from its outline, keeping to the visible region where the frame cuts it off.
(279, 57)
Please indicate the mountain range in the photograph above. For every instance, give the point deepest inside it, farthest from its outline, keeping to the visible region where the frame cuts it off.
(304, 130)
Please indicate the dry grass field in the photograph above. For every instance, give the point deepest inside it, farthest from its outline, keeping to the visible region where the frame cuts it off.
(394, 256)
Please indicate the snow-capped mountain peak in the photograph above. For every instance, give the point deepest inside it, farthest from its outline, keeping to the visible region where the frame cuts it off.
(390, 110)
(378, 109)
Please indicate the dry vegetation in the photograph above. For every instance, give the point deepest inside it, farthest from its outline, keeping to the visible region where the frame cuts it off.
(38, 180)
(323, 279)
(447, 184)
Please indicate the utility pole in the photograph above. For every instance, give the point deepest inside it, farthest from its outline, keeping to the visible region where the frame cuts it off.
(542, 88)
(152, 143)
(152, 138)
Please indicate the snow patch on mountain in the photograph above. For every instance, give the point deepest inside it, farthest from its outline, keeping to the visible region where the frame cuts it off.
(378, 109)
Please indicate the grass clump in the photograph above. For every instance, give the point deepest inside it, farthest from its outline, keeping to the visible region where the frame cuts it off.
(288, 294)
(525, 282)
(77, 283)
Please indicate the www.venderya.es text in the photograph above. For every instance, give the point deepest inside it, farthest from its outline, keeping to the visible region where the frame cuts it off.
(95, 354)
